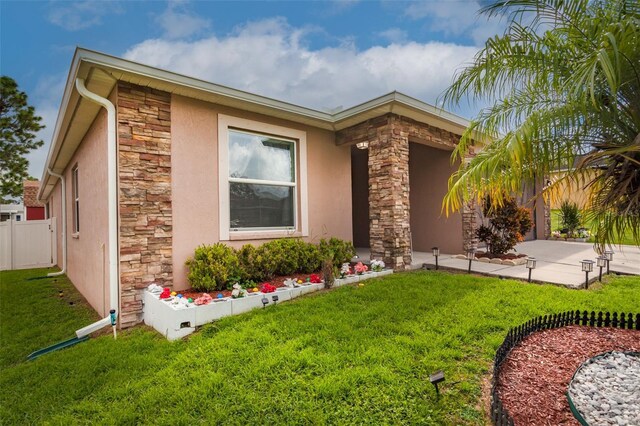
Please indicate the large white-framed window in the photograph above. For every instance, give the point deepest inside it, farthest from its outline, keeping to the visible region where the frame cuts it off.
(262, 180)
(75, 195)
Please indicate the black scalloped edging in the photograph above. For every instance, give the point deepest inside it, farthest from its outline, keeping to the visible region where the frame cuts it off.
(499, 415)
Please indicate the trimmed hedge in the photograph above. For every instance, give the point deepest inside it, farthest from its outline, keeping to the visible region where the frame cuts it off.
(218, 266)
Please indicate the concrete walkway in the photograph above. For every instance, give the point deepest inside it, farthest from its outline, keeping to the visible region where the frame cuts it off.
(558, 262)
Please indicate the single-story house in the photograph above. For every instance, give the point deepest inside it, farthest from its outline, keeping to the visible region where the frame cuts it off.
(146, 164)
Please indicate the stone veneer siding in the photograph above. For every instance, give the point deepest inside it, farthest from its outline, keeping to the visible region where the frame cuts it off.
(388, 161)
(144, 151)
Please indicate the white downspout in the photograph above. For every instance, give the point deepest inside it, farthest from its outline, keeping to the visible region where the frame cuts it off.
(63, 201)
(112, 189)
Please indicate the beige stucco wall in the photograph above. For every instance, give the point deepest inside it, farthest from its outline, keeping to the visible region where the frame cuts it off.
(87, 261)
(194, 180)
(429, 171)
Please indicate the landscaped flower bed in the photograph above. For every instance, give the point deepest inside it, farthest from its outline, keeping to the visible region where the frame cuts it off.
(176, 315)
(508, 259)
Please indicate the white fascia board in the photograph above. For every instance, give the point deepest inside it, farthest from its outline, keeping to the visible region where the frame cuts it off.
(126, 66)
(54, 146)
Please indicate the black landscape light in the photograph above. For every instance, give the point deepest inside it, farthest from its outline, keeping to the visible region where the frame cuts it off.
(275, 298)
(609, 255)
(587, 266)
(436, 378)
(471, 254)
(531, 264)
(265, 302)
(436, 253)
(601, 262)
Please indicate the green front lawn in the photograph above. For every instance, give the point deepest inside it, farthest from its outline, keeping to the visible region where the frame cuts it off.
(348, 356)
(556, 224)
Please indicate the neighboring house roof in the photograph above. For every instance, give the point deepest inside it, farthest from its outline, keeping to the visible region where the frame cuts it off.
(101, 73)
(11, 208)
(30, 193)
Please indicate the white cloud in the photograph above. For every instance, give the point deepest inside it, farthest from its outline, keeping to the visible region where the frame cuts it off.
(269, 57)
(78, 15)
(178, 22)
(453, 17)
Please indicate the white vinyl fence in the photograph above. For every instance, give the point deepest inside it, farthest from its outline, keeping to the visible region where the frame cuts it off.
(27, 244)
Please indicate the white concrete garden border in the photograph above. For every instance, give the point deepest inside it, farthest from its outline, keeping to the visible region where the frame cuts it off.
(177, 321)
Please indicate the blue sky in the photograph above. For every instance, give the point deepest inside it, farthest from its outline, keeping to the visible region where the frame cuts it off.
(322, 55)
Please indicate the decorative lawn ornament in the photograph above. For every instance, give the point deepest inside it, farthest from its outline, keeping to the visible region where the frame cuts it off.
(345, 270)
(290, 282)
(219, 296)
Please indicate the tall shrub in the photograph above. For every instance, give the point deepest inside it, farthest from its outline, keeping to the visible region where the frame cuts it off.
(507, 225)
(570, 219)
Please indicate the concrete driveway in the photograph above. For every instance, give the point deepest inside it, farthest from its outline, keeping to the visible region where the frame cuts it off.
(558, 262)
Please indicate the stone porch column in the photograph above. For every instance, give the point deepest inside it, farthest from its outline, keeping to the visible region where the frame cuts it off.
(389, 227)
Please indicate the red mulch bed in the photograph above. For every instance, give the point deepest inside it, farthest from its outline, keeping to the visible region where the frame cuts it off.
(507, 256)
(534, 377)
(277, 282)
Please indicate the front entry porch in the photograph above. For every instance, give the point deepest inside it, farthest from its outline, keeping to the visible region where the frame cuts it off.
(398, 182)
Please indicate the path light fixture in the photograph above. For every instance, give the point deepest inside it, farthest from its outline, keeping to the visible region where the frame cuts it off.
(601, 262)
(265, 302)
(275, 298)
(531, 264)
(471, 254)
(587, 266)
(362, 145)
(609, 255)
(436, 378)
(436, 253)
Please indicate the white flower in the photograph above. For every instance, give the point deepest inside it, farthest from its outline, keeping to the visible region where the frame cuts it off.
(377, 265)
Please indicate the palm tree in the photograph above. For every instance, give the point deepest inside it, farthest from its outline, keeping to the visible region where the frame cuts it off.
(563, 88)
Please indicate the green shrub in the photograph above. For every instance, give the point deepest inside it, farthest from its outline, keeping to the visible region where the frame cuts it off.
(309, 258)
(255, 263)
(339, 251)
(212, 267)
(570, 219)
(284, 252)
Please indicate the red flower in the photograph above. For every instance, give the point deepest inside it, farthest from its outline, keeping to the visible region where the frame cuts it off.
(166, 293)
(315, 279)
(267, 288)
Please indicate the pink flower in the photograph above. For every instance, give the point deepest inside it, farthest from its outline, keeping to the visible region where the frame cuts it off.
(361, 268)
(203, 300)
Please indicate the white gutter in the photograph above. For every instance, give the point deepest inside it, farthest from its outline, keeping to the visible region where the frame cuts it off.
(63, 201)
(112, 185)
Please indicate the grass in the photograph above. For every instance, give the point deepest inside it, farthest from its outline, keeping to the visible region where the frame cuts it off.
(556, 224)
(348, 356)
